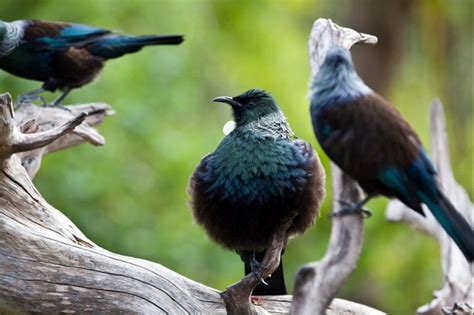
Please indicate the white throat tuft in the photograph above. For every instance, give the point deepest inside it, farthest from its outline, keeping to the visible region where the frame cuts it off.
(13, 37)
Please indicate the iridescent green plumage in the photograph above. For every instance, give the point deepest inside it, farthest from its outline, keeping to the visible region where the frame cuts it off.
(260, 176)
(257, 160)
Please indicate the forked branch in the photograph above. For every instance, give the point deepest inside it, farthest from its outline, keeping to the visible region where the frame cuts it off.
(34, 120)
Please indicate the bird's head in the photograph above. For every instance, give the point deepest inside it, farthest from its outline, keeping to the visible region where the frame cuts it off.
(250, 105)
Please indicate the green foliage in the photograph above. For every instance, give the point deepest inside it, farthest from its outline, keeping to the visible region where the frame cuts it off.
(130, 195)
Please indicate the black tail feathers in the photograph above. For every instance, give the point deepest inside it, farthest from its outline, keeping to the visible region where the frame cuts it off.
(145, 40)
(454, 224)
(115, 46)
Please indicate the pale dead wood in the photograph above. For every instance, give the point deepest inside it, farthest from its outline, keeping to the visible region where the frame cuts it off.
(457, 272)
(32, 118)
(326, 34)
(48, 266)
(317, 283)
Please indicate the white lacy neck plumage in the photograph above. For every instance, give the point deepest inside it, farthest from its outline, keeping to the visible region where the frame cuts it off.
(13, 35)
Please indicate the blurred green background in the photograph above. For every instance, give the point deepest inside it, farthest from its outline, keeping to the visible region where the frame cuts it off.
(130, 195)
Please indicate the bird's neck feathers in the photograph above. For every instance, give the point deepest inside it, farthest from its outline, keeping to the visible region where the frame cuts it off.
(272, 124)
(250, 162)
(11, 37)
(337, 84)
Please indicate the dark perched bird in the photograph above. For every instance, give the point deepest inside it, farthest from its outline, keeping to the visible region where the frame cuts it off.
(63, 55)
(259, 177)
(370, 141)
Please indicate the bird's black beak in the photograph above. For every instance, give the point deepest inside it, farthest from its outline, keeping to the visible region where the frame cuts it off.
(228, 100)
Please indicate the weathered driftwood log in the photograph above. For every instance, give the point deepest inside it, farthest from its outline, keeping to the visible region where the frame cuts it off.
(317, 283)
(48, 265)
(457, 295)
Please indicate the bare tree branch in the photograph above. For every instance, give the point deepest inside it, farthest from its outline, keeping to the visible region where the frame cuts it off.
(32, 119)
(25, 142)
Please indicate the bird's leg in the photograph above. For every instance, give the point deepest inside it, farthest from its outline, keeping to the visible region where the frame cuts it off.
(30, 96)
(58, 100)
(237, 297)
(351, 208)
(256, 266)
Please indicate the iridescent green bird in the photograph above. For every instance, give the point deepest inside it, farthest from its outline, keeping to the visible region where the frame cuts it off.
(259, 176)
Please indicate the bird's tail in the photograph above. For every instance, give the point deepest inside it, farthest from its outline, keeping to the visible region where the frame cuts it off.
(276, 283)
(117, 45)
(452, 222)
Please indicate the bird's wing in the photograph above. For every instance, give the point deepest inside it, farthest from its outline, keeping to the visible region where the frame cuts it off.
(305, 153)
(308, 171)
(366, 136)
(58, 35)
(370, 141)
(204, 167)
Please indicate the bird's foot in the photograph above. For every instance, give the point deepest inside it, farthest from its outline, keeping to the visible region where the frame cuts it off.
(53, 105)
(350, 209)
(29, 98)
(256, 266)
(258, 275)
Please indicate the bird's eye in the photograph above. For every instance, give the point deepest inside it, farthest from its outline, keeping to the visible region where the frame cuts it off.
(250, 104)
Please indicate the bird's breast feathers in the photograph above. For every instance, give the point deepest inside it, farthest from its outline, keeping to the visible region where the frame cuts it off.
(249, 168)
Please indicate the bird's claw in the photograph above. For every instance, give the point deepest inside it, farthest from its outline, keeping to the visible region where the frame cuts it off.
(350, 209)
(259, 277)
(53, 105)
(25, 98)
(345, 211)
(255, 266)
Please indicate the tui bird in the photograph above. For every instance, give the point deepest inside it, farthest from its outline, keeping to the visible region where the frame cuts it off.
(259, 177)
(370, 141)
(64, 56)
